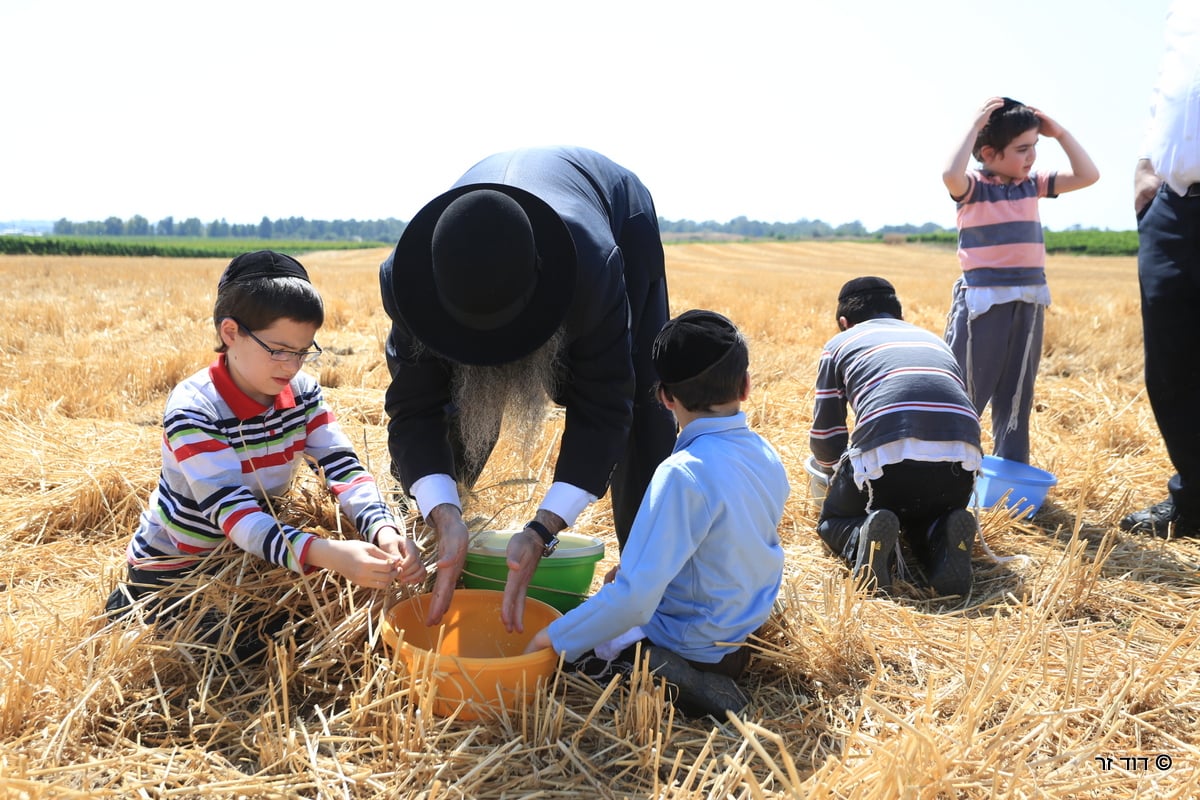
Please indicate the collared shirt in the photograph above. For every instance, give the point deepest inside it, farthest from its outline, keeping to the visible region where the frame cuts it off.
(704, 562)
(1172, 139)
(565, 500)
(224, 454)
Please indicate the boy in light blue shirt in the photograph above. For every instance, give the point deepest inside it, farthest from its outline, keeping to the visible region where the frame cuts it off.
(703, 563)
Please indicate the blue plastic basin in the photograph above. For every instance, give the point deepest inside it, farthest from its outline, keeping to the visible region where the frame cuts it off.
(1027, 486)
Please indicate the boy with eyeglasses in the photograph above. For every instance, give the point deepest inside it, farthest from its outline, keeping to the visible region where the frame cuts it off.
(234, 435)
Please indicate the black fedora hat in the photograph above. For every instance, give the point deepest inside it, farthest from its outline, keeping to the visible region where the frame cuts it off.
(495, 294)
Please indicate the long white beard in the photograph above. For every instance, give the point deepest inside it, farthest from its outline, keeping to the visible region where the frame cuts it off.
(519, 391)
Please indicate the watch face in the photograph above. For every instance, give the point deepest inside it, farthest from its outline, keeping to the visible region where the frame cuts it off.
(550, 546)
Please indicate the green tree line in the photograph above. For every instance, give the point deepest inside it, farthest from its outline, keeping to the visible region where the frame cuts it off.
(1080, 242)
(138, 236)
(163, 247)
(389, 230)
(292, 228)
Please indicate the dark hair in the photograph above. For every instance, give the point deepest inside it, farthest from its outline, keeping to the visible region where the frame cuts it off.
(721, 383)
(1006, 123)
(859, 307)
(259, 302)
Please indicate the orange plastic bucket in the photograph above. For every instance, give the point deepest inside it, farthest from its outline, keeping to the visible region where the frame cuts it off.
(469, 659)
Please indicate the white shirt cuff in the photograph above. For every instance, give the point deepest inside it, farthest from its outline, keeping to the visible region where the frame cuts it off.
(433, 490)
(563, 499)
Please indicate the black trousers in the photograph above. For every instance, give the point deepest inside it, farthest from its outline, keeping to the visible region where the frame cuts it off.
(1169, 277)
(653, 431)
(918, 492)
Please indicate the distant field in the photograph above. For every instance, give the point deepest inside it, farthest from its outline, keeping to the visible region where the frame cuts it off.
(1072, 669)
(1094, 243)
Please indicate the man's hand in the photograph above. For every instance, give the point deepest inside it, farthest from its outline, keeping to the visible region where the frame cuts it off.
(524, 552)
(452, 555)
(1145, 185)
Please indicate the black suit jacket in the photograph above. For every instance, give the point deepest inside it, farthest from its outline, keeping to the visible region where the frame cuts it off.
(612, 221)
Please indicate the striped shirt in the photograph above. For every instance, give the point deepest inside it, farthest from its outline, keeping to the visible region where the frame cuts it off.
(224, 454)
(901, 382)
(1000, 240)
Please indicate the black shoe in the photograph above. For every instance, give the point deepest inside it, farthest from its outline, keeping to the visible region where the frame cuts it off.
(950, 546)
(876, 543)
(599, 670)
(1161, 519)
(696, 692)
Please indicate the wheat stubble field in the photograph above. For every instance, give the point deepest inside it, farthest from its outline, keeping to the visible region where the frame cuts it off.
(1070, 671)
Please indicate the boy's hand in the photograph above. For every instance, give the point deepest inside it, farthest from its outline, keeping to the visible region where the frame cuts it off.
(540, 641)
(954, 175)
(361, 563)
(404, 553)
(1047, 126)
(990, 105)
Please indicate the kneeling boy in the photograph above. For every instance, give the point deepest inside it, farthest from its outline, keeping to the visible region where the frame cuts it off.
(910, 464)
(703, 563)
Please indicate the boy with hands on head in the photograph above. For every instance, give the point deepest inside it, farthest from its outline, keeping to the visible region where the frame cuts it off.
(996, 316)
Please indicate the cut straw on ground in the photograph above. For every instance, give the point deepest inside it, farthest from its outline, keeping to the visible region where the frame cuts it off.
(1072, 669)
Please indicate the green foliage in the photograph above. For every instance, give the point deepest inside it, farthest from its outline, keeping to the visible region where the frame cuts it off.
(380, 231)
(1092, 242)
(1080, 242)
(166, 247)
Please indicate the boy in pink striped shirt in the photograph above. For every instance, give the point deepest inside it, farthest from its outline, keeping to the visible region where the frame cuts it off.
(996, 316)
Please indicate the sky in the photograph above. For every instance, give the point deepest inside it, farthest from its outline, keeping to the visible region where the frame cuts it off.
(774, 110)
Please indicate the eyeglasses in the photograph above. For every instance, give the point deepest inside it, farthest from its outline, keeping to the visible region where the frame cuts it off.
(301, 356)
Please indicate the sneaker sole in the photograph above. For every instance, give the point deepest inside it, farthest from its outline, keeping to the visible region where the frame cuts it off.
(876, 543)
(954, 574)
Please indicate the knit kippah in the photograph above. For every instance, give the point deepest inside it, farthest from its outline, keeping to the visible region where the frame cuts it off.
(865, 285)
(261, 264)
(692, 343)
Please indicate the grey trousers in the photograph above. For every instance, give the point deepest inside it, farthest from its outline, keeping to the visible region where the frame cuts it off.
(999, 352)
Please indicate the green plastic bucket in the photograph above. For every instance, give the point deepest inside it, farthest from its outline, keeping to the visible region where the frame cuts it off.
(562, 580)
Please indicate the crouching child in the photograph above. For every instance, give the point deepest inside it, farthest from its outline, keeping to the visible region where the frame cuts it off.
(909, 466)
(703, 563)
(235, 435)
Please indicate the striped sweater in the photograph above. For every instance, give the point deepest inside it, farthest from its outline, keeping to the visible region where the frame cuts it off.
(1000, 240)
(900, 381)
(224, 454)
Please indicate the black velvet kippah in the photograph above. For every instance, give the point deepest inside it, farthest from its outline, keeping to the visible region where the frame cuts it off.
(690, 344)
(261, 264)
(865, 285)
